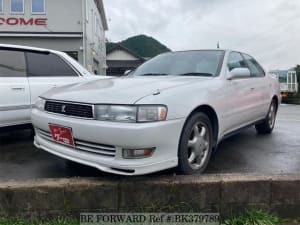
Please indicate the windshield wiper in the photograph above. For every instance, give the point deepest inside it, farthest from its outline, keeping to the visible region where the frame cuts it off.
(196, 74)
(154, 74)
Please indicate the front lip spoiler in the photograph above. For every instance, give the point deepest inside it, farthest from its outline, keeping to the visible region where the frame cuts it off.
(127, 171)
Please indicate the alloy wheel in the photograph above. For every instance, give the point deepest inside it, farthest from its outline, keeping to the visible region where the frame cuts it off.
(272, 115)
(198, 146)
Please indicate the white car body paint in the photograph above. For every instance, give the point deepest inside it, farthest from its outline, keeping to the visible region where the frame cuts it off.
(237, 104)
(18, 94)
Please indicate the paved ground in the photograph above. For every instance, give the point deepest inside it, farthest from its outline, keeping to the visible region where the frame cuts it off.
(245, 152)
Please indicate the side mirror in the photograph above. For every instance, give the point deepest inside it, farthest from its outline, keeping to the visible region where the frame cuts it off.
(127, 72)
(238, 73)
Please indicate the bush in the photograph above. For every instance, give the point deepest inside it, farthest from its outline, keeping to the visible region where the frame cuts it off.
(252, 217)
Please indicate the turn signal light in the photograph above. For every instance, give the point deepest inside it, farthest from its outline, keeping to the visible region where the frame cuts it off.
(137, 153)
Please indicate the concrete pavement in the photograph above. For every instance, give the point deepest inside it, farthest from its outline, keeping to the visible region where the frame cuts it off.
(245, 152)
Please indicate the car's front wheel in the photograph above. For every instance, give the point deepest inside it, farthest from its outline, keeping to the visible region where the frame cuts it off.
(267, 126)
(195, 145)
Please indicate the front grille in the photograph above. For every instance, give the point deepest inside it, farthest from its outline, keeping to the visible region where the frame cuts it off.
(70, 109)
(80, 145)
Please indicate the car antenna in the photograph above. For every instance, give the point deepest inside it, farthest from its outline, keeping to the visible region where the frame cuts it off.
(218, 45)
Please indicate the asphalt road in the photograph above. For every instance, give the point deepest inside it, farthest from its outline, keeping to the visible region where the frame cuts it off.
(245, 152)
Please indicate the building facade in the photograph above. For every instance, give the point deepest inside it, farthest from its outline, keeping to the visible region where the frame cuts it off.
(76, 27)
(120, 59)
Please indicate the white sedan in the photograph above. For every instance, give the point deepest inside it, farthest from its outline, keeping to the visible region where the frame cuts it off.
(27, 72)
(172, 111)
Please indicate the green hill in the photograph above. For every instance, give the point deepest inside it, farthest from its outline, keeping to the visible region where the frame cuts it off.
(142, 45)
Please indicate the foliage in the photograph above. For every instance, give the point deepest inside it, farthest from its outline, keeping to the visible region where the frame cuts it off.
(58, 221)
(297, 69)
(252, 217)
(109, 46)
(141, 45)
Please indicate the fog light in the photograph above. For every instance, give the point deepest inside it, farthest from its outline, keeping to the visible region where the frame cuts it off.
(137, 153)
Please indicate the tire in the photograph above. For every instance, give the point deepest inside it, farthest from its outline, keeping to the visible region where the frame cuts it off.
(195, 145)
(267, 126)
(32, 132)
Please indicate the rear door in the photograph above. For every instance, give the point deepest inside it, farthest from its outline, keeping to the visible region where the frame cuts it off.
(48, 70)
(14, 88)
(260, 88)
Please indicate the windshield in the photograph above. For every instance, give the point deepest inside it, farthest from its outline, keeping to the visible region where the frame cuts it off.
(189, 63)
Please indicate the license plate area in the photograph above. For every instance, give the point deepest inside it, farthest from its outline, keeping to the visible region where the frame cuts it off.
(62, 135)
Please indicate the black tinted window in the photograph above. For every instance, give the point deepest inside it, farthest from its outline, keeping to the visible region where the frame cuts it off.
(254, 67)
(47, 65)
(12, 64)
(235, 60)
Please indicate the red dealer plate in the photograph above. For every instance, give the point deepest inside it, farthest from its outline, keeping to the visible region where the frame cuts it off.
(62, 134)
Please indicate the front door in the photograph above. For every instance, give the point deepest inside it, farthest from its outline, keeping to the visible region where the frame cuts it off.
(14, 89)
(260, 87)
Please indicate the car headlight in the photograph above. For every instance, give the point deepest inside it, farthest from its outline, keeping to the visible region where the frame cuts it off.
(151, 113)
(40, 104)
(116, 113)
(130, 114)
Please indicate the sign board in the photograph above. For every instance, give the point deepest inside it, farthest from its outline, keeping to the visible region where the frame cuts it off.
(12, 21)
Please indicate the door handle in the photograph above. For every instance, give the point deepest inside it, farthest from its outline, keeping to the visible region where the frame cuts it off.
(18, 88)
(252, 89)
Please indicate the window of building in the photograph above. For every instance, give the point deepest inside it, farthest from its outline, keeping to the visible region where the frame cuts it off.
(17, 6)
(38, 6)
(47, 65)
(1, 6)
(12, 64)
(118, 71)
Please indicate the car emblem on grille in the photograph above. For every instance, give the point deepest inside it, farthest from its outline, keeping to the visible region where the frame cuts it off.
(63, 108)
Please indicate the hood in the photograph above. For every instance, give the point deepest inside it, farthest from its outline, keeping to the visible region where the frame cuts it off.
(125, 90)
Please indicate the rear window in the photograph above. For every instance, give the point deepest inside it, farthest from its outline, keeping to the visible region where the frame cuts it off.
(12, 64)
(47, 65)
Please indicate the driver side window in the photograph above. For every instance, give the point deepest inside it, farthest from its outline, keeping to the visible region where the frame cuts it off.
(235, 60)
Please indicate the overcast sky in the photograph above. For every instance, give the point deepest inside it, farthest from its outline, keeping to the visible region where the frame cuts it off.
(267, 29)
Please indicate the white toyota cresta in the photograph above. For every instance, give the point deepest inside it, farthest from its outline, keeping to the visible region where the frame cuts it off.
(171, 111)
(27, 72)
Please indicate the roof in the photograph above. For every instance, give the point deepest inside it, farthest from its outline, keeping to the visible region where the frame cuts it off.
(118, 46)
(22, 47)
(73, 62)
(100, 6)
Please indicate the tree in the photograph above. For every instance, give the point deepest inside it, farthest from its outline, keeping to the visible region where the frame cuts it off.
(297, 69)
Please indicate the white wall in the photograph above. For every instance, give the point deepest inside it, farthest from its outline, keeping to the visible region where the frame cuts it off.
(95, 39)
(62, 16)
(120, 55)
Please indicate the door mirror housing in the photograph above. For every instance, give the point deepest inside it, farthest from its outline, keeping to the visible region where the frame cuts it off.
(127, 72)
(237, 73)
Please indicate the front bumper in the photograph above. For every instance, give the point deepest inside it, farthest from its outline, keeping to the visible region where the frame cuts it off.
(164, 136)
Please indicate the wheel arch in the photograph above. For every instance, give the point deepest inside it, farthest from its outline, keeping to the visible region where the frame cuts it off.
(276, 99)
(213, 117)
